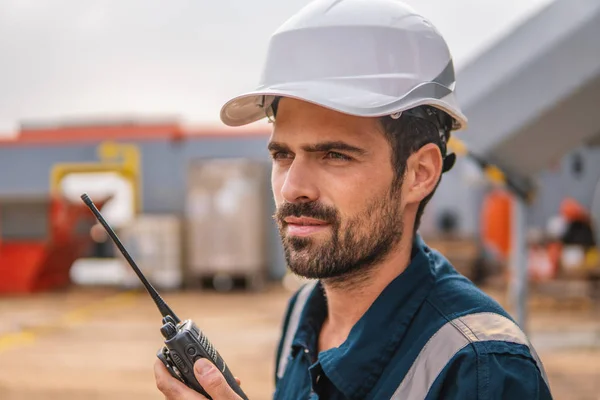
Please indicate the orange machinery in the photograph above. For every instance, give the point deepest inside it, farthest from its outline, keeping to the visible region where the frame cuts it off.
(496, 223)
(40, 263)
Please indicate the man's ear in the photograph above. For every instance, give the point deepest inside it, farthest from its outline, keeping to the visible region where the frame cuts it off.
(423, 170)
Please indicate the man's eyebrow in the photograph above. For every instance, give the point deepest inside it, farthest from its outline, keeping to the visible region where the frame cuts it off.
(319, 147)
(333, 145)
(276, 146)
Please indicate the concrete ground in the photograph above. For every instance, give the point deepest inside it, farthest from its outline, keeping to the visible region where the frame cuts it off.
(101, 343)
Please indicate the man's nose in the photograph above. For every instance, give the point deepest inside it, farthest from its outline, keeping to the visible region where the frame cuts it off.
(299, 184)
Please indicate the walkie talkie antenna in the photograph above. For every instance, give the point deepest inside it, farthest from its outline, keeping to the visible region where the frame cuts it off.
(160, 303)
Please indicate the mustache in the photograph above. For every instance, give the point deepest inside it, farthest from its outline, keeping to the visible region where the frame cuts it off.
(310, 210)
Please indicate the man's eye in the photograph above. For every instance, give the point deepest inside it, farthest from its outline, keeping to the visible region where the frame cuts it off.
(338, 156)
(280, 155)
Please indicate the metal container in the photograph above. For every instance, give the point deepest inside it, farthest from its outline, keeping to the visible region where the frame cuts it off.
(154, 243)
(226, 216)
(25, 218)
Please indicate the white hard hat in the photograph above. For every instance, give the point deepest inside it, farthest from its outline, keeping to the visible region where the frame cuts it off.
(361, 57)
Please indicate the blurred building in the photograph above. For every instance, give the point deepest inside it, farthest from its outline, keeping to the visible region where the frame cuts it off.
(162, 164)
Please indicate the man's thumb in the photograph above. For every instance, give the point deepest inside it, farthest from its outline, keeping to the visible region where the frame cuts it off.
(212, 380)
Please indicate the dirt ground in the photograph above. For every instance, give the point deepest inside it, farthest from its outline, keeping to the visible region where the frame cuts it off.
(101, 343)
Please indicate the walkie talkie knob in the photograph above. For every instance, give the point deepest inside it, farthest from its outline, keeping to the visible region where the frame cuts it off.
(168, 330)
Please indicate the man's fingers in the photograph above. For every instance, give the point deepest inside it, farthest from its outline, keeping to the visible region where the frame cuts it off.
(172, 388)
(213, 381)
(207, 374)
(237, 380)
(164, 381)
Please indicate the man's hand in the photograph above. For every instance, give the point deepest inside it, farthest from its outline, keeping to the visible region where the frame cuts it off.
(207, 374)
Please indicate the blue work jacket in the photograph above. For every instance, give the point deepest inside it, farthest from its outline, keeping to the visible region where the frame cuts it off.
(431, 334)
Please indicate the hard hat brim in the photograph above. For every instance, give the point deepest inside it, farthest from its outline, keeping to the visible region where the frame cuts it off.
(251, 106)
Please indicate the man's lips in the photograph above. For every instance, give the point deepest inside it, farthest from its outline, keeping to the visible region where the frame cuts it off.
(303, 226)
(304, 221)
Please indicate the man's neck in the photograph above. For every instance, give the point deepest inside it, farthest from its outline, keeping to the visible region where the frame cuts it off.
(348, 302)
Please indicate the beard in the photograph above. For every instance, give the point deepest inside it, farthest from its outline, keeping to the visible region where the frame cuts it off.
(355, 244)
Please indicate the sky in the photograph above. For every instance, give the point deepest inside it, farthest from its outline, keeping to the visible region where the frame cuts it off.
(175, 59)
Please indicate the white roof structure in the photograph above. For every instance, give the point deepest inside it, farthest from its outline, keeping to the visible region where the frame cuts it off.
(531, 99)
(535, 95)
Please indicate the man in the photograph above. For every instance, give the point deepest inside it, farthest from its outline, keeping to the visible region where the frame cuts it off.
(361, 96)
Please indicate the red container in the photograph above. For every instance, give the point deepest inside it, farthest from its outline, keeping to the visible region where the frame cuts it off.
(20, 263)
(35, 265)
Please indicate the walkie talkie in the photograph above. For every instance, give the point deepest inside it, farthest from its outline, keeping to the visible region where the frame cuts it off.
(184, 342)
